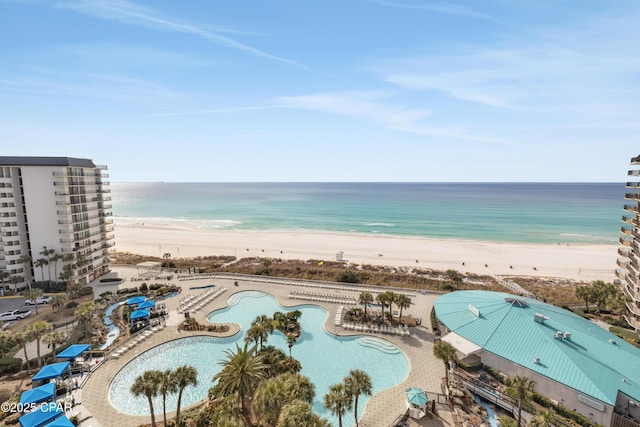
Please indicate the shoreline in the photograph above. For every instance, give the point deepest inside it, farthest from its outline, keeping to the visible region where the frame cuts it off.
(585, 262)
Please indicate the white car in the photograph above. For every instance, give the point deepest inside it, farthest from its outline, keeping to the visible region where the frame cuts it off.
(9, 316)
(40, 300)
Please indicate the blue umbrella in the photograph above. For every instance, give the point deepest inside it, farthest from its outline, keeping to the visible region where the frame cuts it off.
(416, 396)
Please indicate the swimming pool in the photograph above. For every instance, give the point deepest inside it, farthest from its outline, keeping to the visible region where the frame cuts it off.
(325, 358)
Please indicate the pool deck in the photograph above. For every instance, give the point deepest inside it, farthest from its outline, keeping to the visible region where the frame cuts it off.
(382, 409)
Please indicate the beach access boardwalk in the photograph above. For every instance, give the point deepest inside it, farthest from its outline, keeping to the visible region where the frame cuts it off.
(382, 409)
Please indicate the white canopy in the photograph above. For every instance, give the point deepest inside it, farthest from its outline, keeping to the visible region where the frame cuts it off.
(461, 344)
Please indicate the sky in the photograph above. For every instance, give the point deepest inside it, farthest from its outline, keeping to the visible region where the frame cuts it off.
(325, 91)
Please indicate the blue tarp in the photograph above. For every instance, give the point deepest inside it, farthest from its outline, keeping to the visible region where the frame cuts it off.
(136, 300)
(63, 421)
(51, 371)
(73, 351)
(139, 314)
(38, 394)
(41, 416)
(147, 304)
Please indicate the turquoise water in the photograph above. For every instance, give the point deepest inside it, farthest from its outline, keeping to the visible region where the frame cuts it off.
(517, 212)
(326, 359)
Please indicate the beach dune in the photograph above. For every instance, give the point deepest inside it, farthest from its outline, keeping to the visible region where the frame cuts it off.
(578, 262)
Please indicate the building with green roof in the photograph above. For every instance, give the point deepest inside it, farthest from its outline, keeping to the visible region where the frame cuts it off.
(572, 360)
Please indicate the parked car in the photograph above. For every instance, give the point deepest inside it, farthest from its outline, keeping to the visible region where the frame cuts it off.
(9, 316)
(43, 299)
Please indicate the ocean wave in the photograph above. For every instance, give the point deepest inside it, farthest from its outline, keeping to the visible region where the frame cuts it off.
(177, 222)
(380, 224)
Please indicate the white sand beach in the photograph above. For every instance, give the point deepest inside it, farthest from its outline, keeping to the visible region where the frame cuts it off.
(580, 262)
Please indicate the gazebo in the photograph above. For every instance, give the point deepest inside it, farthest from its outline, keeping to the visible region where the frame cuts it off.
(39, 394)
(51, 371)
(147, 304)
(139, 315)
(41, 416)
(136, 300)
(62, 421)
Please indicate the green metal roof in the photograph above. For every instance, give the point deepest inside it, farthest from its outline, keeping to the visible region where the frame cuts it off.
(591, 360)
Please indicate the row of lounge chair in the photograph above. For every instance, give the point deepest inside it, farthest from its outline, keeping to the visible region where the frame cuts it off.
(296, 282)
(374, 327)
(135, 341)
(313, 296)
(196, 302)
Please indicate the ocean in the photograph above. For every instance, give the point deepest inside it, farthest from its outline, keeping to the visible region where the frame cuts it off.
(510, 212)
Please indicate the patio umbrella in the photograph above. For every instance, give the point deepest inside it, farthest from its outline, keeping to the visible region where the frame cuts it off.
(416, 396)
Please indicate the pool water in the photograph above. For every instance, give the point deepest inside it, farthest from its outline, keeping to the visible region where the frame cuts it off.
(325, 358)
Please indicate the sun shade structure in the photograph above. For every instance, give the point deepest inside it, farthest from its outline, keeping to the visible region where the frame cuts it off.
(136, 300)
(416, 396)
(139, 314)
(53, 370)
(570, 358)
(146, 304)
(62, 421)
(41, 416)
(38, 394)
(73, 351)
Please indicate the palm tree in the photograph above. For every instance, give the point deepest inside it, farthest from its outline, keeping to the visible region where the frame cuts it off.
(40, 263)
(57, 301)
(260, 330)
(365, 298)
(54, 338)
(544, 418)
(381, 299)
(403, 301)
(38, 330)
(14, 280)
(357, 382)
(291, 340)
(445, 352)
(586, 294)
(184, 376)
(338, 401)
(7, 342)
(166, 385)
(55, 258)
(33, 295)
(298, 387)
(269, 398)
(26, 260)
(84, 312)
(241, 373)
(523, 388)
(47, 254)
(166, 256)
(455, 277)
(300, 414)
(23, 338)
(148, 384)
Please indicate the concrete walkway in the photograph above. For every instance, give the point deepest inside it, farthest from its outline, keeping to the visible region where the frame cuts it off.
(381, 410)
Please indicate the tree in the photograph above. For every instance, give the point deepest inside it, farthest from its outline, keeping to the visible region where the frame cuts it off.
(365, 298)
(47, 254)
(147, 384)
(14, 280)
(55, 258)
(523, 388)
(40, 263)
(7, 342)
(167, 257)
(403, 301)
(184, 376)
(37, 331)
(602, 291)
(447, 353)
(85, 312)
(73, 289)
(260, 330)
(54, 338)
(300, 414)
(507, 421)
(166, 385)
(241, 373)
(57, 301)
(269, 398)
(586, 294)
(33, 295)
(291, 340)
(23, 338)
(617, 303)
(338, 401)
(382, 299)
(544, 418)
(357, 382)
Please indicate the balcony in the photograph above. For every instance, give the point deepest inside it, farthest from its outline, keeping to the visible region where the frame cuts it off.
(635, 324)
(630, 208)
(629, 219)
(621, 273)
(624, 241)
(624, 251)
(634, 173)
(632, 196)
(633, 185)
(626, 231)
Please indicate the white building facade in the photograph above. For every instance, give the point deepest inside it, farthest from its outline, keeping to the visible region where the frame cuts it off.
(628, 272)
(58, 205)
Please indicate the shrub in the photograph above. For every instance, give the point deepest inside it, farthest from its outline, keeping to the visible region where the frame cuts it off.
(155, 286)
(85, 291)
(144, 287)
(10, 365)
(347, 276)
(71, 304)
(106, 294)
